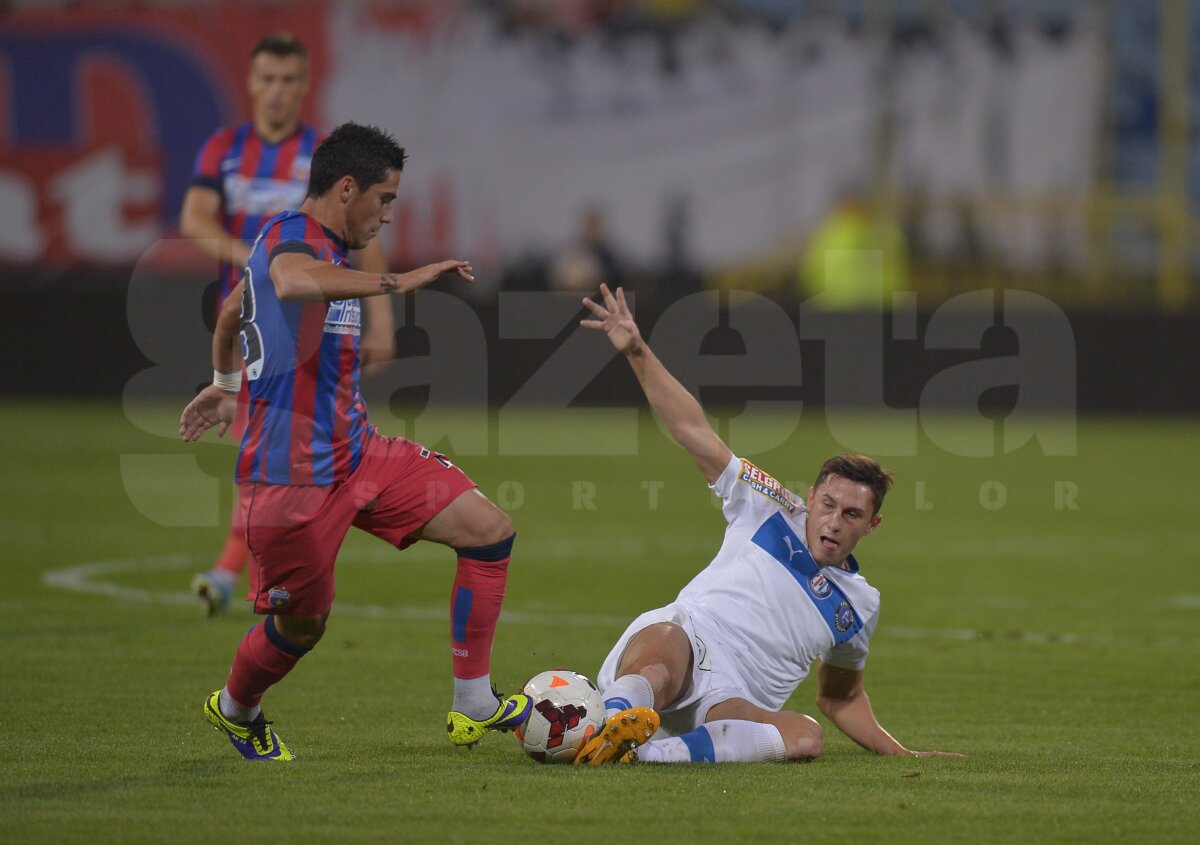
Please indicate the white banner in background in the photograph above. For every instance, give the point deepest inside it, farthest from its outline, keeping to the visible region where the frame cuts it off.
(511, 137)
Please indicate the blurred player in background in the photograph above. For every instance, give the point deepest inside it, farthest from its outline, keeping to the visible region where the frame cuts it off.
(245, 174)
(311, 465)
(783, 591)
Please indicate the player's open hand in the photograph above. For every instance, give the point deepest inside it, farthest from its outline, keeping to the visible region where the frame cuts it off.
(430, 272)
(212, 407)
(615, 320)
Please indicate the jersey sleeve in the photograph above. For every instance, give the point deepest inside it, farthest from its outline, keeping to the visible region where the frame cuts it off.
(289, 234)
(749, 493)
(207, 170)
(852, 654)
(291, 246)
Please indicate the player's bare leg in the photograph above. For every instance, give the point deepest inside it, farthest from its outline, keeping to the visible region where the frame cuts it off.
(470, 520)
(662, 654)
(302, 631)
(482, 536)
(653, 672)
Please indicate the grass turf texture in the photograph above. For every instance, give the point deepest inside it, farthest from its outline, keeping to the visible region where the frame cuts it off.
(1057, 647)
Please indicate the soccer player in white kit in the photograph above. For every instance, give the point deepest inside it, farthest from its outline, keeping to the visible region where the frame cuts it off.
(706, 675)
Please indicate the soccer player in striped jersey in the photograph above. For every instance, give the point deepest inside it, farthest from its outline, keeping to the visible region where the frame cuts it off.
(311, 465)
(704, 678)
(244, 175)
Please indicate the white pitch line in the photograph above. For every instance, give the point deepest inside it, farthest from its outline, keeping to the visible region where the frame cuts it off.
(88, 578)
(81, 579)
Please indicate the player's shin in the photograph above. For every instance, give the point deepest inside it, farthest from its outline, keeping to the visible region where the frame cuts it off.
(475, 604)
(263, 659)
(722, 741)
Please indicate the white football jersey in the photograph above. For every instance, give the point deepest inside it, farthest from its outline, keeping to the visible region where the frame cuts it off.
(766, 599)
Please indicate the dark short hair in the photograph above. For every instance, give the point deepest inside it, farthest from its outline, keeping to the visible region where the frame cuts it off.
(281, 44)
(364, 152)
(860, 469)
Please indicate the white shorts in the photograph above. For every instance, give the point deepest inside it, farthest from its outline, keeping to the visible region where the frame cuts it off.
(715, 673)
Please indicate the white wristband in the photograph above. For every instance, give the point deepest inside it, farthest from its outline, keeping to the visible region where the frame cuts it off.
(229, 382)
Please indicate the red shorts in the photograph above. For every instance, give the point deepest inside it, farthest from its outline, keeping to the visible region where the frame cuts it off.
(294, 533)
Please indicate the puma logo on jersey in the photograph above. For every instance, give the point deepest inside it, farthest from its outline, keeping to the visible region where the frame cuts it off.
(791, 551)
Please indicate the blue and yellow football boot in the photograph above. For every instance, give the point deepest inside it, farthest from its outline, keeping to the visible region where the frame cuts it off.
(254, 740)
(511, 713)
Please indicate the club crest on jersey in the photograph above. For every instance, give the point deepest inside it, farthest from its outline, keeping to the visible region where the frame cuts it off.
(767, 486)
(843, 617)
(278, 597)
(819, 585)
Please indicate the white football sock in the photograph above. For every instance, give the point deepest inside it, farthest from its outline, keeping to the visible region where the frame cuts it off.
(235, 712)
(473, 697)
(723, 741)
(628, 691)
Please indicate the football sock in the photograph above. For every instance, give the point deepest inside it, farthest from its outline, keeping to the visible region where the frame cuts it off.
(233, 556)
(263, 658)
(628, 691)
(473, 697)
(235, 712)
(475, 604)
(723, 741)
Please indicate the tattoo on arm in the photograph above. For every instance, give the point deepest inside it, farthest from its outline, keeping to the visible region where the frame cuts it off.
(389, 282)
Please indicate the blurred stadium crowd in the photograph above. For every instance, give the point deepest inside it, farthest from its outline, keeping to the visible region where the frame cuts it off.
(1042, 145)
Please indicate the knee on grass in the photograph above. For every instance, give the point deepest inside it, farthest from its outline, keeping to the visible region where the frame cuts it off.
(803, 738)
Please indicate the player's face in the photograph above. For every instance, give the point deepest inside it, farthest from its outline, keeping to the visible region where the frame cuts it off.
(277, 86)
(839, 515)
(367, 211)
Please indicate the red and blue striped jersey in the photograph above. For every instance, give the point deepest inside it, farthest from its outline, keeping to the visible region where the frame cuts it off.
(308, 422)
(256, 180)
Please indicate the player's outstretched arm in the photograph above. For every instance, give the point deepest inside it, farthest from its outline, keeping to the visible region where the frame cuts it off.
(841, 697)
(300, 277)
(678, 409)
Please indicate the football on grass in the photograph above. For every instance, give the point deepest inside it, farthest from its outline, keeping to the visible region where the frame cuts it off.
(567, 710)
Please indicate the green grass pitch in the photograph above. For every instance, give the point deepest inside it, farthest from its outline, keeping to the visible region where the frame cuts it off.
(1053, 636)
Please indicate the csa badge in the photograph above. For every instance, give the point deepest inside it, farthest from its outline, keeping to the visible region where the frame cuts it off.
(843, 617)
(279, 597)
(819, 585)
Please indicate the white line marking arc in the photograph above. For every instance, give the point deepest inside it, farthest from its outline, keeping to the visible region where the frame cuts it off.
(88, 578)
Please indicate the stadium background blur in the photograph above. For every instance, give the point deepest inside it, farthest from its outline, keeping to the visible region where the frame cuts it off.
(1042, 147)
(1039, 163)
